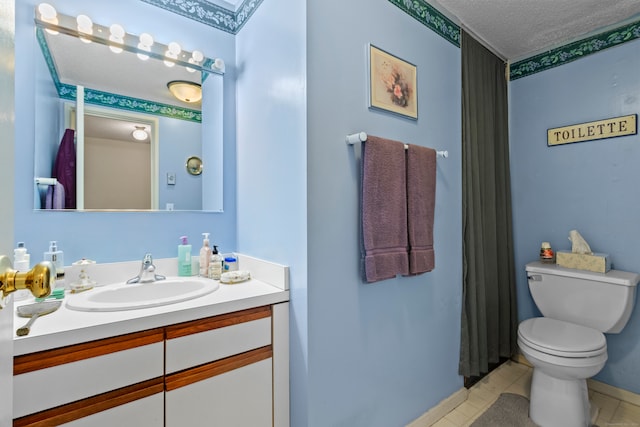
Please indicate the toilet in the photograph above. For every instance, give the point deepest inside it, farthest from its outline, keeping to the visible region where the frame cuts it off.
(567, 345)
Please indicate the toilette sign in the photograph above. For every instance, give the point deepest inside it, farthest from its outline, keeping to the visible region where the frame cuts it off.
(609, 128)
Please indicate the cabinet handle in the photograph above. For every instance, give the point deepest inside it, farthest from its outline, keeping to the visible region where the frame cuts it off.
(200, 373)
(73, 353)
(220, 321)
(92, 405)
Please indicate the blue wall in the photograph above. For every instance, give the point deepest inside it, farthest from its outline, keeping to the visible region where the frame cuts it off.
(589, 186)
(379, 354)
(116, 236)
(273, 162)
(361, 355)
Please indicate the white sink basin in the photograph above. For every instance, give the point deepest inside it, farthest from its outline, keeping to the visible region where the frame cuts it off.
(142, 295)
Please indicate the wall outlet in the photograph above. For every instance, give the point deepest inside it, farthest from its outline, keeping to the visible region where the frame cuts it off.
(169, 206)
(171, 178)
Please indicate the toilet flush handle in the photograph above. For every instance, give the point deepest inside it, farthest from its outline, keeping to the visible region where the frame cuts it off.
(535, 277)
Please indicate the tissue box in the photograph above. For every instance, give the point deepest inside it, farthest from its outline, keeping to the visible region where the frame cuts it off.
(599, 263)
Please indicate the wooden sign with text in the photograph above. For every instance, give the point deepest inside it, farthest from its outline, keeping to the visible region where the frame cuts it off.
(608, 128)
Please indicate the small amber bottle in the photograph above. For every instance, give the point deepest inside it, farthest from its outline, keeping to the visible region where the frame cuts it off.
(546, 253)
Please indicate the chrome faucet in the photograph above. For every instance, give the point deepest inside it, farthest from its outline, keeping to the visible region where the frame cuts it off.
(147, 272)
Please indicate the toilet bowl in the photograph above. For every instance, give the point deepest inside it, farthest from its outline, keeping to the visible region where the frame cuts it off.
(568, 345)
(563, 355)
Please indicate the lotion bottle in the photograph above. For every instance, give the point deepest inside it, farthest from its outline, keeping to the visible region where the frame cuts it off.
(215, 266)
(21, 258)
(56, 257)
(21, 263)
(184, 257)
(205, 256)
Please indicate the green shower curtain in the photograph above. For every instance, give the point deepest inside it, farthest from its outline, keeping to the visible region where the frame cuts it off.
(489, 317)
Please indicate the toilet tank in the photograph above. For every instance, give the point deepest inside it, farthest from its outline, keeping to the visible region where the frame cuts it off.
(603, 301)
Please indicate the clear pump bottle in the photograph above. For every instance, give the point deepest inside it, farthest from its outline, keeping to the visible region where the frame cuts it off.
(215, 266)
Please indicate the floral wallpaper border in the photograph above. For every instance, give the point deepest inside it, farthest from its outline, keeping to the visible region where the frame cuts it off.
(433, 19)
(430, 17)
(211, 14)
(575, 50)
(106, 99)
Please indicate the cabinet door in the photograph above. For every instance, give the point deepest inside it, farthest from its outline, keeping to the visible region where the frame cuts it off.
(239, 397)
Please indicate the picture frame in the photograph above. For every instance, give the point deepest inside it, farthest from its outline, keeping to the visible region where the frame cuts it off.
(393, 83)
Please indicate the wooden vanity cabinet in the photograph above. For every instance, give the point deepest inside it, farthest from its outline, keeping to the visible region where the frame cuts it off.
(221, 369)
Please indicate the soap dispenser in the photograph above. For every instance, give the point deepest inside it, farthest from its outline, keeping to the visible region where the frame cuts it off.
(56, 257)
(215, 266)
(205, 255)
(184, 257)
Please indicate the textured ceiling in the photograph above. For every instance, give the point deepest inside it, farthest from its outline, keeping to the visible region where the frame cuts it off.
(516, 29)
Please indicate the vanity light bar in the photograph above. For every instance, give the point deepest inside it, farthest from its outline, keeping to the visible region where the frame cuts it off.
(100, 34)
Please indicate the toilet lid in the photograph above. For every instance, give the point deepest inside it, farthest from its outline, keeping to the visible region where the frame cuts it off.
(561, 338)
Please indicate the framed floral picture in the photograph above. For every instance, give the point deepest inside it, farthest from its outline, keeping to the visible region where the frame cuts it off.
(392, 84)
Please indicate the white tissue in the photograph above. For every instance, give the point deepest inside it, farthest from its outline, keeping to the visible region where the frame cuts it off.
(578, 244)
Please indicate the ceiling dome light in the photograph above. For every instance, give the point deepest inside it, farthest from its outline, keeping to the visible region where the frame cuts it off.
(49, 15)
(140, 134)
(185, 91)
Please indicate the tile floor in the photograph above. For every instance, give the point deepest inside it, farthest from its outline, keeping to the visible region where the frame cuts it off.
(513, 377)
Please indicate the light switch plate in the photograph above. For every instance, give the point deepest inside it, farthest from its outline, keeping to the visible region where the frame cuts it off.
(171, 178)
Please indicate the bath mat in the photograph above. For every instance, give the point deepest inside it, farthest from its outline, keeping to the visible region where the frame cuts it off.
(510, 410)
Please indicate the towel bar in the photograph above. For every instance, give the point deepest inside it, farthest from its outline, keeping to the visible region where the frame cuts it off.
(362, 137)
(46, 181)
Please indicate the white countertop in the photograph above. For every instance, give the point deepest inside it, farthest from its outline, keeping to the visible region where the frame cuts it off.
(66, 327)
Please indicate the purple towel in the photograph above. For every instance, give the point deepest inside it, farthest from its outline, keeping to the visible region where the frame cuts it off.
(55, 197)
(384, 209)
(421, 196)
(64, 168)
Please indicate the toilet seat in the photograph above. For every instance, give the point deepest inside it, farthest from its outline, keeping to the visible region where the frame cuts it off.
(563, 339)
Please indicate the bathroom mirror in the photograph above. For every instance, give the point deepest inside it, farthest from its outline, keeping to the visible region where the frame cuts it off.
(128, 90)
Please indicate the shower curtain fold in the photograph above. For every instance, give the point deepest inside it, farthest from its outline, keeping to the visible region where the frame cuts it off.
(489, 316)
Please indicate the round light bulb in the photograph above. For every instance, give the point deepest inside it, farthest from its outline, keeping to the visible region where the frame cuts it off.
(146, 39)
(49, 15)
(218, 64)
(174, 48)
(85, 26)
(117, 31)
(47, 12)
(197, 56)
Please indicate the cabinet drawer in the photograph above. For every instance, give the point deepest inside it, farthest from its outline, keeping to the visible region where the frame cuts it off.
(55, 377)
(195, 343)
(138, 405)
